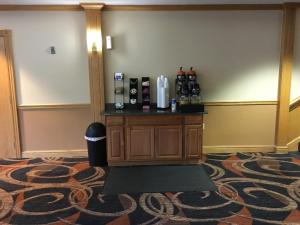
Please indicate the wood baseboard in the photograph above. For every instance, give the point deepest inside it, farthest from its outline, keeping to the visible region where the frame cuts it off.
(293, 144)
(281, 148)
(55, 153)
(238, 148)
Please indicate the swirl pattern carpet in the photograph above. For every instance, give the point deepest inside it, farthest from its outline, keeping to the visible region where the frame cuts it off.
(252, 188)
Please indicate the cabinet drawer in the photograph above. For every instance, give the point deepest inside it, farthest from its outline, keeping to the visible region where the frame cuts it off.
(153, 120)
(193, 119)
(114, 120)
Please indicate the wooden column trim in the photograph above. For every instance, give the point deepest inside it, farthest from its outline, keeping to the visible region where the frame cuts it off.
(42, 7)
(193, 7)
(285, 75)
(7, 35)
(168, 7)
(95, 58)
(92, 6)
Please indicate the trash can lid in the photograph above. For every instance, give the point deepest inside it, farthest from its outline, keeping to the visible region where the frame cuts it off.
(95, 130)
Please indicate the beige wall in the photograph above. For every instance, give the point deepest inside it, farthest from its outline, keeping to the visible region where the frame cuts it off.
(294, 115)
(42, 78)
(295, 86)
(45, 79)
(239, 127)
(227, 128)
(236, 53)
(54, 130)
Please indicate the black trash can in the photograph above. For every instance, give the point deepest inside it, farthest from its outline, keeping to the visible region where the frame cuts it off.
(96, 143)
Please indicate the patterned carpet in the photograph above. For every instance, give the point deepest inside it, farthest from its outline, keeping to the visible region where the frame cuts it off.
(253, 188)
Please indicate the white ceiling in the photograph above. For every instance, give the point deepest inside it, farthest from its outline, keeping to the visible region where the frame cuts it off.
(144, 2)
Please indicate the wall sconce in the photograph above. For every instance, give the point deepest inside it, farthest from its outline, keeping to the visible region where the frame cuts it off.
(108, 42)
(94, 47)
(94, 40)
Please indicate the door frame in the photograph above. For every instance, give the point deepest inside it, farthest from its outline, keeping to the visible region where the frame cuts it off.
(7, 35)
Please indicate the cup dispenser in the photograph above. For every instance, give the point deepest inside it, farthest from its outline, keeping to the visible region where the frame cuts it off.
(146, 93)
(119, 90)
(162, 92)
(133, 91)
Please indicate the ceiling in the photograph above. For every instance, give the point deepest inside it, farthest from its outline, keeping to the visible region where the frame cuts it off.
(144, 2)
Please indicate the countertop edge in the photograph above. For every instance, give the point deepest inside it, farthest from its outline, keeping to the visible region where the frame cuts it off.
(111, 111)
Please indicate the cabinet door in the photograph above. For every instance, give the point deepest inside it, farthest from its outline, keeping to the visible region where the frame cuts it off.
(193, 141)
(140, 143)
(168, 140)
(115, 143)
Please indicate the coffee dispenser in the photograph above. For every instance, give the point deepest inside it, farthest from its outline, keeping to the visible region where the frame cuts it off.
(181, 88)
(194, 87)
(188, 93)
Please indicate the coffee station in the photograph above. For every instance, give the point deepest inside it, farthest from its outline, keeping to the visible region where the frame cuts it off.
(168, 131)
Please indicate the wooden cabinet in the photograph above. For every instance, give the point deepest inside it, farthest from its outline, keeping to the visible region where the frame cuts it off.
(115, 143)
(193, 141)
(155, 139)
(140, 143)
(168, 141)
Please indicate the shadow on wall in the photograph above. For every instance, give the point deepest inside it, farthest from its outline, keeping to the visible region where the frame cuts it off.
(235, 54)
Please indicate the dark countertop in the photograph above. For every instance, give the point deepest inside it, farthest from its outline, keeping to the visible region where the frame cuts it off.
(138, 111)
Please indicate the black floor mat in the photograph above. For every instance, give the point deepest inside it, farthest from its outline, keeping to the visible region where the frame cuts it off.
(295, 154)
(137, 179)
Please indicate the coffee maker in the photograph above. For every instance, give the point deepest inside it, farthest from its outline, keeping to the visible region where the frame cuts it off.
(188, 93)
(181, 88)
(194, 87)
